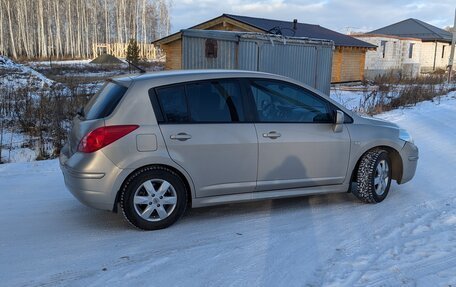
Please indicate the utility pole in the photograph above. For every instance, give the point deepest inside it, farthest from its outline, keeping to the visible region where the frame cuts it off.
(453, 43)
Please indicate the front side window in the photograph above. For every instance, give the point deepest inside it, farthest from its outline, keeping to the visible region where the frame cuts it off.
(411, 50)
(277, 101)
(216, 101)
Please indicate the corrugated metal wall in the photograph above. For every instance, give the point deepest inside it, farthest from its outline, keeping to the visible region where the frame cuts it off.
(323, 70)
(193, 54)
(301, 59)
(299, 62)
(248, 55)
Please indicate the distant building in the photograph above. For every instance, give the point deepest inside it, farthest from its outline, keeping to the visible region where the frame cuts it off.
(434, 46)
(348, 56)
(394, 55)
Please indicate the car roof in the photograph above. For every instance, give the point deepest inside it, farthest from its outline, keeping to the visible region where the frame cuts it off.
(197, 74)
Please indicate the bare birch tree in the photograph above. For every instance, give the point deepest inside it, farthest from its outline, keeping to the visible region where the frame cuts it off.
(70, 28)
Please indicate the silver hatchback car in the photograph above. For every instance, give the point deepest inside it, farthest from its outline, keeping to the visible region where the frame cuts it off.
(157, 143)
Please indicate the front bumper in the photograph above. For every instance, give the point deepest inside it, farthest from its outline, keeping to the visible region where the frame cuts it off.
(90, 178)
(409, 154)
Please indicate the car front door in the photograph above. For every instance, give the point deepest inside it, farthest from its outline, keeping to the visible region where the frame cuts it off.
(206, 133)
(297, 144)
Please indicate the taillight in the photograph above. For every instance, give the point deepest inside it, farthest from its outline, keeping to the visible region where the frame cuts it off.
(103, 136)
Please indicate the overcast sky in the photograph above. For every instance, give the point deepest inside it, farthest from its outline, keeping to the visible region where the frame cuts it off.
(339, 15)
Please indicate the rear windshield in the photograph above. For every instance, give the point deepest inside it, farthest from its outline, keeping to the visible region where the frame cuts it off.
(104, 102)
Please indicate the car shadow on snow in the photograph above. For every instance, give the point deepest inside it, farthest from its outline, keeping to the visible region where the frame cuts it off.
(283, 206)
(274, 206)
(88, 218)
(234, 212)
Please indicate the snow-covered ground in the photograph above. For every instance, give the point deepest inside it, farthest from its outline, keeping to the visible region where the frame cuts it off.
(47, 238)
(13, 149)
(75, 78)
(15, 77)
(60, 62)
(351, 99)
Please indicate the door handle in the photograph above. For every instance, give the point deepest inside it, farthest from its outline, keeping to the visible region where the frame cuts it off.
(272, 135)
(181, 137)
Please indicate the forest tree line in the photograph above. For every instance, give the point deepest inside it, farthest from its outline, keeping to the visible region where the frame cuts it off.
(69, 28)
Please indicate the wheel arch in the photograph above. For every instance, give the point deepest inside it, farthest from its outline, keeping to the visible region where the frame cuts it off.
(185, 180)
(396, 162)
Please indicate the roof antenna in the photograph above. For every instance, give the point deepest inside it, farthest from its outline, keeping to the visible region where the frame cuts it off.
(295, 24)
(141, 70)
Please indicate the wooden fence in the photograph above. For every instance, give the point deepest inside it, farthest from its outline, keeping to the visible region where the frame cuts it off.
(119, 50)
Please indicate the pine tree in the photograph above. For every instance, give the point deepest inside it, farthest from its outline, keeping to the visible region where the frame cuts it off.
(133, 52)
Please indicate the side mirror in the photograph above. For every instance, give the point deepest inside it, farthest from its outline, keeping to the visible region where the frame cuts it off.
(338, 121)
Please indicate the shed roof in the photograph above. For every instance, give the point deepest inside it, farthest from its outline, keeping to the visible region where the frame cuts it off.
(236, 35)
(286, 29)
(302, 30)
(414, 28)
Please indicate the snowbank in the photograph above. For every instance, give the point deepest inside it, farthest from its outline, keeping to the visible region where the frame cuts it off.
(14, 75)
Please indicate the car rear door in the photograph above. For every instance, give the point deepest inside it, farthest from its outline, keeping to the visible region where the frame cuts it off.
(206, 132)
(297, 144)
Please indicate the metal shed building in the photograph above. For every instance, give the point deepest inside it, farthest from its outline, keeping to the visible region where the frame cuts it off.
(303, 59)
(347, 60)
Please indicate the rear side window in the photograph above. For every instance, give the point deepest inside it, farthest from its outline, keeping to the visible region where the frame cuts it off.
(217, 101)
(173, 103)
(102, 104)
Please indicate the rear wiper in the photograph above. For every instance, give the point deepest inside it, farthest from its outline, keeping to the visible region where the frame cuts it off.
(81, 112)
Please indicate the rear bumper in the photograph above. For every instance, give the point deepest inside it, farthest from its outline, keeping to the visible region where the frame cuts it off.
(409, 154)
(94, 188)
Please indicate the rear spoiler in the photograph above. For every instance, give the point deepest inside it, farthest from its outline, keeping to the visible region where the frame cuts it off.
(124, 82)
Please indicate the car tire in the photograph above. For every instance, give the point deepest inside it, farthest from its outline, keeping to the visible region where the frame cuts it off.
(373, 176)
(153, 198)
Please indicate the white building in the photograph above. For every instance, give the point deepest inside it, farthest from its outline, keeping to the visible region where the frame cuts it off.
(407, 47)
(396, 55)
